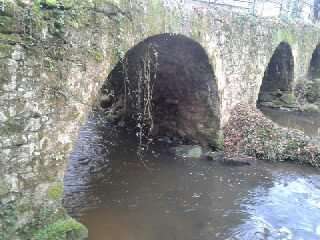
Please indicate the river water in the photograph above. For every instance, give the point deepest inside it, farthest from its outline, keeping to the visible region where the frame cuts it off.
(163, 197)
(307, 122)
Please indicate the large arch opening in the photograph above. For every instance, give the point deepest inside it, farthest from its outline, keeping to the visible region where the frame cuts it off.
(165, 86)
(276, 87)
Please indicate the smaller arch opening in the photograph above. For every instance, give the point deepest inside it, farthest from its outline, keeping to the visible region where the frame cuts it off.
(316, 10)
(276, 87)
(311, 88)
(314, 68)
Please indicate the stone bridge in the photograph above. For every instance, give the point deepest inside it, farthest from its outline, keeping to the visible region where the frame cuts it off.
(56, 56)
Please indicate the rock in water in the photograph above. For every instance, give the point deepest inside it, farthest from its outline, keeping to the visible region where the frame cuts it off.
(237, 161)
(214, 156)
(188, 151)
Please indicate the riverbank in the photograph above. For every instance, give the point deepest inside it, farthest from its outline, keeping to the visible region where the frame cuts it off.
(249, 132)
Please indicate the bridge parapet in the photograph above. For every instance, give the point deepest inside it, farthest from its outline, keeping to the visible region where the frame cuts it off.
(307, 11)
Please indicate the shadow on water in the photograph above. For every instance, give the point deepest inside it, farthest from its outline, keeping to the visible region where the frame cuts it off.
(118, 197)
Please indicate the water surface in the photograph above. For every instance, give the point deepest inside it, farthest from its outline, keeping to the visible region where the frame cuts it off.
(309, 123)
(120, 197)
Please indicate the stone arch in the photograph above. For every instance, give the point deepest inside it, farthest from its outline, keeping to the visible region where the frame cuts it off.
(314, 67)
(316, 10)
(166, 85)
(184, 104)
(279, 75)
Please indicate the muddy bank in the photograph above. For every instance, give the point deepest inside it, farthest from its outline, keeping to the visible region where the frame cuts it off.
(250, 132)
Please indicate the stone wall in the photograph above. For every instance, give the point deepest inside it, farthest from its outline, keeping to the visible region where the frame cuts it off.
(55, 56)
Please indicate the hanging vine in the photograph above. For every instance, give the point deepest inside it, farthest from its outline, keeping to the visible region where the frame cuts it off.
(147, 74)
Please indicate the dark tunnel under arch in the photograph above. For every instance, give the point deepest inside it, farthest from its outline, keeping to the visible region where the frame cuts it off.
(169, 76)
(314, 67)
(278, 77)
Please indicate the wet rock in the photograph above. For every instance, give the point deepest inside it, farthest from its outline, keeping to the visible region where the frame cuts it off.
(266, 97)
(165, 140)
(106, 101)
(288, 98)
(4, 188)
(238, 161)
(188, 151)
(214, 156)
(312, 91)
(121, 123)
(267, 104)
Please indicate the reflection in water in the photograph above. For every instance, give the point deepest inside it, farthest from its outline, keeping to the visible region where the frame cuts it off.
(118, 197)
(288, 210)
(306, 122)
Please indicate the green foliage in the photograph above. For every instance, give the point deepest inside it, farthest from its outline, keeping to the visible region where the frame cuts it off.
(44, 222)
(61, 230)
(284, 36)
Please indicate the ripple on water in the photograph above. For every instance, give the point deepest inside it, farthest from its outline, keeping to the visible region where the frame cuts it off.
(290, 209)
(117, 197)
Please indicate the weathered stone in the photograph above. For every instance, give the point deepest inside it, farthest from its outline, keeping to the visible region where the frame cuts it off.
(4, 187)
(8, 8)
(238, 161)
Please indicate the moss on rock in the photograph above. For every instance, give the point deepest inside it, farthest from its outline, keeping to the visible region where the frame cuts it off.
(62, 229)
(55, 191)
(313, 91)
(5, 50)
(39, 222)
(7, 25)
(49, 3)
(10, 38)
(98, 55)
